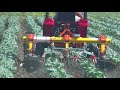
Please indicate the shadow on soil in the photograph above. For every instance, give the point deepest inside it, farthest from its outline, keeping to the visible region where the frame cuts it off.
(104, 65)
(31, 65)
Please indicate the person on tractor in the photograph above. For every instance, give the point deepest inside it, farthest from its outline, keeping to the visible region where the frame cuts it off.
(68, 16)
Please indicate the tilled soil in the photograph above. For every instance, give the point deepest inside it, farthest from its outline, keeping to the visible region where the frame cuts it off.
(110, 70)
(34, 67)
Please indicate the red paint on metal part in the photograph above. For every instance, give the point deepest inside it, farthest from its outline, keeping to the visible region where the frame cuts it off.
(31, 37)
(82, 27)
(49, 21)
(67, 38)
(70, 33)
(48, 26)
(103, 39)
(61, 34)
(93, 57)
(75, 57)
(83, 23)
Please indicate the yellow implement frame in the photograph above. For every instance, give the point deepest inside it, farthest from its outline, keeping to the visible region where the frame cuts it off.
(78, 40)
(71, 40)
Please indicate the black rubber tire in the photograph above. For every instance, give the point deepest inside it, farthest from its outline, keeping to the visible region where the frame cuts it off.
(39, 50)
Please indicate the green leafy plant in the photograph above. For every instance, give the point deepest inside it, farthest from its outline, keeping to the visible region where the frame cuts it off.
(91, 70)
(40, 20)
(9, 48)
(55, 68)
(33, 26)
(2, 22)
(87, 65)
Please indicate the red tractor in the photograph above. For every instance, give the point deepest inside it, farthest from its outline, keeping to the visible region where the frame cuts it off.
(61, 35)
(56, 28)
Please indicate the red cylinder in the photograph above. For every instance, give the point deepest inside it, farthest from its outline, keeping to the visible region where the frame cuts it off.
(30, 37)
(82, 28)
(48, 26)
(103, 39)
(67, 38)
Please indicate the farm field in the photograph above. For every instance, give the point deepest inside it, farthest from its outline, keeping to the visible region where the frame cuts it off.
(15, 62)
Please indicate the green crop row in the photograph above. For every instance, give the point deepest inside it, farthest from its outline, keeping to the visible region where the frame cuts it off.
(88, 66)
(107, 28)
(9, 48)
(55, 68)
(2, 23)
(33, 26)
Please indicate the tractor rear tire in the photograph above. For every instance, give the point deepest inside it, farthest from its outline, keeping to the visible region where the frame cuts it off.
(39, 50)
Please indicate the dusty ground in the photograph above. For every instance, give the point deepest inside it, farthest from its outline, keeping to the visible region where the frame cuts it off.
(32, 68)
(35, 68)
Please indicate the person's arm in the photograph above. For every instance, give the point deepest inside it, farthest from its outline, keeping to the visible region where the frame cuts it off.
(79, 15)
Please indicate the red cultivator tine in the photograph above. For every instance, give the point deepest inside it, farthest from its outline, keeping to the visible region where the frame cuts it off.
(94, 58)
(63, 33)
(75, 58)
